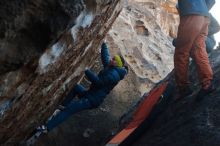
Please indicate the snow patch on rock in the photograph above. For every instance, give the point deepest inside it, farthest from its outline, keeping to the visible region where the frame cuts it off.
(4, 106)
(50, 56)
(84, 20)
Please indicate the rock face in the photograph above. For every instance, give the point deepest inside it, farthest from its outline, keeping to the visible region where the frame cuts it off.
(142, 34)
(46, 46)
(27, 27)
(49, 44)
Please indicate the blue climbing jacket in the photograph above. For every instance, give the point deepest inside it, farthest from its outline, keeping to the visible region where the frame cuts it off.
(210, 4)
(214, 26)
(195, 7)
(105, 81)
(210, 43)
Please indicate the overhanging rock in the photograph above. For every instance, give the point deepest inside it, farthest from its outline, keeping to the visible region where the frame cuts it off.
(47, 71)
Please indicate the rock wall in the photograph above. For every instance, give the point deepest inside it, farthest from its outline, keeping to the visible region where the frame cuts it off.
(188, 121)
(49, 44)
(27, 27)
(143, 34)
(46, 45)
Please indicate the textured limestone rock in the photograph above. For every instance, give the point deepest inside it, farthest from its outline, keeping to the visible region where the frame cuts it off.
(49, 43)
(142, 34)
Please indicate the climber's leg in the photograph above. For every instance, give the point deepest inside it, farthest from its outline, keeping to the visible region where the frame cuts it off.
(78, 89)
(73, 107)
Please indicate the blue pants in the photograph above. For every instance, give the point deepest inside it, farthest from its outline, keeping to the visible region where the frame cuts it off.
(72, 106)
(77, 90)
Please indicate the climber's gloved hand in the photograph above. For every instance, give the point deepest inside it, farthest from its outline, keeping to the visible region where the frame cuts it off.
(127, 69)
(174, 42)
(104, 41)
(104, 44)
(86, 68)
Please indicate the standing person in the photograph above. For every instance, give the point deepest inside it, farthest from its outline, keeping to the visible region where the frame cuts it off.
(192, 33)
(101, 84)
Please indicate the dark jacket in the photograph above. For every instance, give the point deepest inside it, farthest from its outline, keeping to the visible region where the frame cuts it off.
(210, 43)
(195, 7)
(210, 4)
(105, 81)
(214, 27)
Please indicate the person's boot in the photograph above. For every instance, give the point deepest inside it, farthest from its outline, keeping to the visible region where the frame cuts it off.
(205, 91)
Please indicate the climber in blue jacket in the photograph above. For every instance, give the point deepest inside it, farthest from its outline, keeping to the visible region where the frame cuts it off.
(114, 70)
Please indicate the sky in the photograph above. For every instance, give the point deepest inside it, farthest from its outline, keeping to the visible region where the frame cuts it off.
(216, 13)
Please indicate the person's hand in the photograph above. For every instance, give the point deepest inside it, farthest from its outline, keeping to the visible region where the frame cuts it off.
(174, 42)
(126, 67)
(86, 68)
(104, 45)
(104, 42)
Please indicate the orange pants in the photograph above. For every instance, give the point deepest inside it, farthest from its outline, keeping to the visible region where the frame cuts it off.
(192, 33)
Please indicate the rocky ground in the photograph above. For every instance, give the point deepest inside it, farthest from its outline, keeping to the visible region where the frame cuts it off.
(189, 121)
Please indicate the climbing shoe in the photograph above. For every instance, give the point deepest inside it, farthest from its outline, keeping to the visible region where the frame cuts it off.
(35, 135)
(42, 129)
(203, 92)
